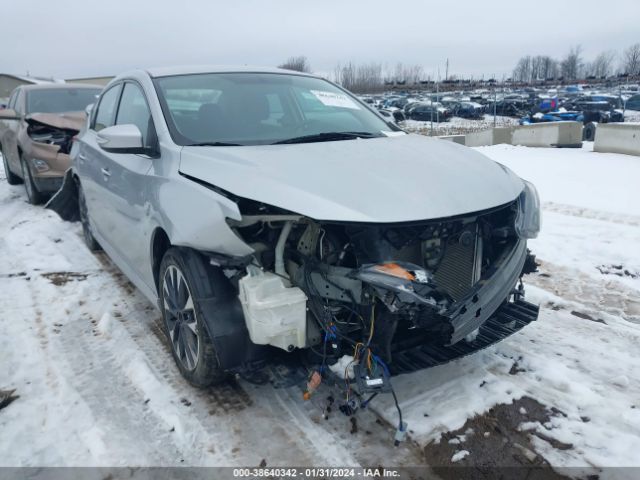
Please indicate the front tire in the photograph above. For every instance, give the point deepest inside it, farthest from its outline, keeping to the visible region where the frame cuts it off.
(185, 277)
(33, 194)
(89, 239)
(12, 178)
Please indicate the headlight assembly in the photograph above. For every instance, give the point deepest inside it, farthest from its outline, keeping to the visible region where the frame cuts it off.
(40, 165)
(528, 218)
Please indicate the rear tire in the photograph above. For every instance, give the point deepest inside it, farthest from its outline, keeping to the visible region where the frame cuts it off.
(33, 194)
(589, 132)
(184, 278)
(12, 178)
(89, 239)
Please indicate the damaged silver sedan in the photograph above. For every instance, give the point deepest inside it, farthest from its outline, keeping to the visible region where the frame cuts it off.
(271, 213)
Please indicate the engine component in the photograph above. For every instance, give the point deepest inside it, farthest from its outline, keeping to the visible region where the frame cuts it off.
(282, 240)
(371, 383)
(409, 282)
(460, 266)
(313, 382)
(275, 314)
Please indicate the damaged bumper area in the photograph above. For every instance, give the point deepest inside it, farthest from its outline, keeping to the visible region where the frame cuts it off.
(65, 201)
(409, 296)
(47, 144)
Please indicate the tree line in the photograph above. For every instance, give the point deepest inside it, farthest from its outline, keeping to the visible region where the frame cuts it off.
(573, 65)
(373, 76)
(366, 77)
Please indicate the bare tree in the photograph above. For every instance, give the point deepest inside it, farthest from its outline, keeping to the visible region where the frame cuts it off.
(549, 67)
(571, 65)
(522, 72)
(631, 60)
(359, 78)
(602, 65)
(299, 64)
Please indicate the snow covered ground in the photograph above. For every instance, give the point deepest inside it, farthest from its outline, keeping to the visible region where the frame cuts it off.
(582, 354)
(457, 125)
(98, 386)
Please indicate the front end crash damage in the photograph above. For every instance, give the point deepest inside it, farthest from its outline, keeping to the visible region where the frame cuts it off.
(65, 201)
(46, 144)
(408, 295)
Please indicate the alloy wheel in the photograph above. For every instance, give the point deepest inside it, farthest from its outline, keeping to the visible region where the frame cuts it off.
(180, 317)
(26, 175)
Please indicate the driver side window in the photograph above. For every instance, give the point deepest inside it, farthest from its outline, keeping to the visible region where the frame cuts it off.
(12, 100)
(134, 110)
(105, 114)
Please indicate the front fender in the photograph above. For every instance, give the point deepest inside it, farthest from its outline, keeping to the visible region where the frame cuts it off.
(195, 216)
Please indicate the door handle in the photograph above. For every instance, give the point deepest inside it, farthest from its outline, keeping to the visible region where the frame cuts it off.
(82, 156)
(105, 172)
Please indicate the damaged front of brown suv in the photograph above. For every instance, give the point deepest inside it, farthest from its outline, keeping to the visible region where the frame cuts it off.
(36, 133)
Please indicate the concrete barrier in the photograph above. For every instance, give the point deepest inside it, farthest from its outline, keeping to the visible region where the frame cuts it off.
(454, 138)
(618, 138)
(493, 136)
(479, 139)
(552, 134)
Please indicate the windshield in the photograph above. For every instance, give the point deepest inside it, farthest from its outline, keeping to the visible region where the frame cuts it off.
(261, 108)
(58, 100)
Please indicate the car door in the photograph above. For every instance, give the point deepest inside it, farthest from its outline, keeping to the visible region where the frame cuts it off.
(124, 186)
(91, 163)
(4, 129)
(10, 132)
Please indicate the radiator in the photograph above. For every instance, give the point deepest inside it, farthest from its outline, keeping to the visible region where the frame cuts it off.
(460, 267)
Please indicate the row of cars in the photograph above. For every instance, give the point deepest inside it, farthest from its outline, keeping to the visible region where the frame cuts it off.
(530, 105)
(262, 212)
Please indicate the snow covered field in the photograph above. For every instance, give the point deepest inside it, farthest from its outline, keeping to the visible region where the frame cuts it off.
(98, 386)
(457, 125)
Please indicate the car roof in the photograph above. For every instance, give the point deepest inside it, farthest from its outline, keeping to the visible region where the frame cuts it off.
(60, 86)
(195, 69)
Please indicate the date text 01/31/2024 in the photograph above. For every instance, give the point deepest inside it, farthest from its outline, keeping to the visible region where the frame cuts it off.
(315, 472)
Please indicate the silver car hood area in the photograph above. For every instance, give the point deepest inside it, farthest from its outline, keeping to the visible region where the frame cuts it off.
(388, 179)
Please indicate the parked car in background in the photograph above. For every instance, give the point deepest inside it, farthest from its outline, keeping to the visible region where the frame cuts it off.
(268, 211)
(425, 112)
(392, 114)
(633, 103)
(598, 108)
(469, 110)
(36, 130)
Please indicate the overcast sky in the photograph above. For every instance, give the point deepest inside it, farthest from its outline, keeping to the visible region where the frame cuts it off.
(75, 38)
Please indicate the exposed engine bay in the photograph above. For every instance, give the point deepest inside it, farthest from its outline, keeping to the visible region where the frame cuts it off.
(336, 286)
(60, 136)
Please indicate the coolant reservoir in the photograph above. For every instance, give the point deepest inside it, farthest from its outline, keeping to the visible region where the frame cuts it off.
(275, 314)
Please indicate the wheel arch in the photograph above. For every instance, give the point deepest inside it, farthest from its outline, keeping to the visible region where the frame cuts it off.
(223, 316)
(160, 243)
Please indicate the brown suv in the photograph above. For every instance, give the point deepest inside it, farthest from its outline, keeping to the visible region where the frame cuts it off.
(36, 131)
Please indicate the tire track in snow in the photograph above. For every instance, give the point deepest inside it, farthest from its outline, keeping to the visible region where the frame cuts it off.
(606, 295)
(229, 405)
(109, 356)
(591, 214)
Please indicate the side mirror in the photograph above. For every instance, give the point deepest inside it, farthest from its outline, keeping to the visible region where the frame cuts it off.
(88, 109)
(122, 139)
(9, 114)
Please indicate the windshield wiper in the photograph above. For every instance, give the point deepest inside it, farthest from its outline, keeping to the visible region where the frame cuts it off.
(214, 144)
(327, 137)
